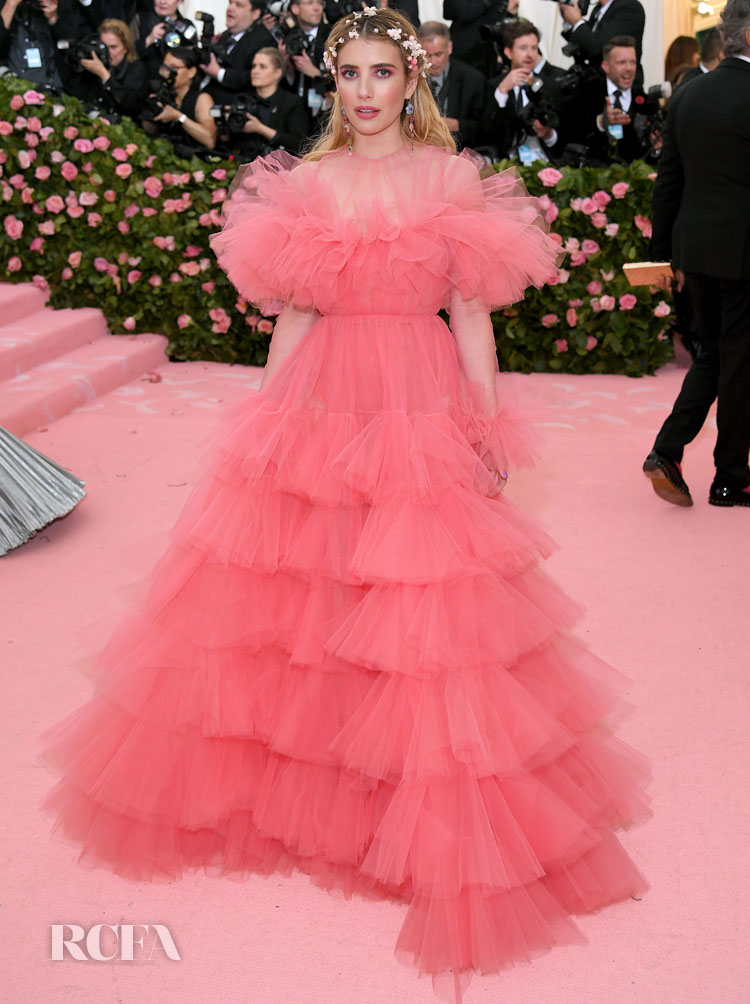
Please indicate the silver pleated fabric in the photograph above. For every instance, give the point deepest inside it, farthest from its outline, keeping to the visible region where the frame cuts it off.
(34, 490)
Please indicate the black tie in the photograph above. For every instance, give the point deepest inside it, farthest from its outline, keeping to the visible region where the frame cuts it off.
(595, 18)
(617, 95)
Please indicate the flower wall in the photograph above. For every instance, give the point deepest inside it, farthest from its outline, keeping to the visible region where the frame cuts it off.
(108, 217)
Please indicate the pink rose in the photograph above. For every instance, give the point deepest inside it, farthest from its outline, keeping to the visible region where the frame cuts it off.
(74, 258)
(83, 145)
(152, 187)
(69, 171)
(150, 159)
(594, 288)
(190, 268)
(93, 219)
(599, 220)
(27, 197)
(561, 344)
(221, 319)
(134, 275)
(183, 320)
(67, 273)
(191, 251)
(628, 301)
(17, 181)
(218, 195)
(14, 264)
(241, 305)
(46, 227)
(131, 210)
(575, 303)
(129, 323)
(33, 98)
(562, 276)
(644, 225)
(16, 102)
(31, 139)
(130, 148)
(45, 132)
(265, 327)
(652, 176)
(662, 309)
(198, 176)
(572, 244)
(595, 304)
(620, 189)
(101, 143)
(34, 124)
(123, 226)
(88, 198)
(37, 245)
(549, 320)
(608, 302)
(75, 211)
(24, 160)
(552, 213)
(590, 247)
(571, 317)
(155, 281)
(149, 211)
(13, 227)
(205, 219)
(576, 204)
(602, 199)
(208, 287)
(119, 154)
(175, 277)
(588, 206)
(123, 170)
(42, 172)
(70, 132)
(5, 128)
(544, 202)
(577, 258)
(101, 264)
(612, 229)
(607, 276)
(549, 177)
(591, 343)
(220, 174)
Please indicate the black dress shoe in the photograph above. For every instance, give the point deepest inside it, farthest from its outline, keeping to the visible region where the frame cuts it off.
(724, 495)
(666, 479)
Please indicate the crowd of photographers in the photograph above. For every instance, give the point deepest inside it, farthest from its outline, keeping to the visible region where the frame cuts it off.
(262, 85)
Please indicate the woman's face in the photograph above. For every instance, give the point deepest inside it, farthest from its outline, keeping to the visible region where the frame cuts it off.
(264, 73)
(166, 8)
(184, 75)
(372, 84)
(117, 50)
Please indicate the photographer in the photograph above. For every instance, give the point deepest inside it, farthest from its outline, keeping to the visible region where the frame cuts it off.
(522, 113)
(29, 35)
(607, 20)
(275, 119)
(149, 28)
(118, 82)
(458, 87)
(467, 17)
(303, 42)
(232, 53)
(179, 110)
(616, 118)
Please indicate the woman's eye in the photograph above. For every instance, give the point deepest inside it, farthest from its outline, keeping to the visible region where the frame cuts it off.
(383, 70)
(346, 73)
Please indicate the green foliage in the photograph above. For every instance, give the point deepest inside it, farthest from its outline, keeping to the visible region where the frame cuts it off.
(109, 217)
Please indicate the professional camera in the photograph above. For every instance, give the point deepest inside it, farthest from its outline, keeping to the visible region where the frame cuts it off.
(495, 33)
(650, 118)
(161, 93)
(538, 107)
(579, 75)
(277, 8)
(232, 118)
(178, 32)
(208, 27)
(294, 38)
(83, 48)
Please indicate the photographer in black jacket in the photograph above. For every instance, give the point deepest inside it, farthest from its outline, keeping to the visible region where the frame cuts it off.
(150, 27)
(118, 84)
(306, 72)
(278, 119)
(180, 111)
(232, 53)
(29, 35)
(467, 17)
(458, 87)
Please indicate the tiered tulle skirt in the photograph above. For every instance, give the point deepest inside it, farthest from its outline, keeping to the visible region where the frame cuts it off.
(348, 663)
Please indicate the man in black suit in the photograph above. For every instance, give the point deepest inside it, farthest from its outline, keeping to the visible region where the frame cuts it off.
(511, 130)
(701, 223)
(230, 72)
(458, 87)
(467, 17)
(307, 68)
(606, 20)
(712, 53)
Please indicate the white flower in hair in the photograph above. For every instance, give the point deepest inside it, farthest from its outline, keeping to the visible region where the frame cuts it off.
(369, 11)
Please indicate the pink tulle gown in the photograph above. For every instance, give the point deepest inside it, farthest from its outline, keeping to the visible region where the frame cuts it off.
(348, 662)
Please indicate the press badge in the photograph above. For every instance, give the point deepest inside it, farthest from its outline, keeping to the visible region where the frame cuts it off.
(525, 154)
(615, 131)
(314, 101)
(33, 58)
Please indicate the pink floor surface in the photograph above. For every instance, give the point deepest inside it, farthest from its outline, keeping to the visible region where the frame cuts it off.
(665, 590)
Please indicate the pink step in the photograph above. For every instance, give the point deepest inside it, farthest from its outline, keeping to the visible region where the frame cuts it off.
(47, 392)
(19, 299)
(44, 335)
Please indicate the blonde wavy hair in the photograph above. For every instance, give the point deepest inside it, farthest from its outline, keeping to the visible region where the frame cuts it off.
(429, 126)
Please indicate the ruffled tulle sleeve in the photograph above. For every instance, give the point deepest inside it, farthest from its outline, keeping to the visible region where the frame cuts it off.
(498, 235)
(255, 247)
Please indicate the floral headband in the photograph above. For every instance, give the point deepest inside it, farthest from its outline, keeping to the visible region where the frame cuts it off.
(410, 43)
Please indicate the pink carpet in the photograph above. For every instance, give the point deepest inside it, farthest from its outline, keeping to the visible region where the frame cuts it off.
(665, 592)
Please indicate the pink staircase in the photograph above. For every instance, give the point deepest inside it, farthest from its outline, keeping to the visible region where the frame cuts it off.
(52, 361)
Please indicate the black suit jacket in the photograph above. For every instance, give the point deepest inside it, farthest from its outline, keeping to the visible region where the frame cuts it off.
(465, 100)
(582, 112)
(502, 128)
(237, 77)
(622, 17)
(466, 17)
(692, 74)
(701, 201)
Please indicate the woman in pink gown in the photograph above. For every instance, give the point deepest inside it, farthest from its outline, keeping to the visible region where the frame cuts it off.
(348, 662)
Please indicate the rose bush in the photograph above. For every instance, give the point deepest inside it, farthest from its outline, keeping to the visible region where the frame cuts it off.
(111, 218)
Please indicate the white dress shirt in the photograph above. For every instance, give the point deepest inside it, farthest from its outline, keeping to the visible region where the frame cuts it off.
(532, 141)
(235, 40)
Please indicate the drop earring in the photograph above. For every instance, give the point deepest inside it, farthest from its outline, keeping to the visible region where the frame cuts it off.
(410, 112)
(348, 129)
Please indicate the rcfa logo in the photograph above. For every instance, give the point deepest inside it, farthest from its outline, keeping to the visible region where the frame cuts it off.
(86, 946)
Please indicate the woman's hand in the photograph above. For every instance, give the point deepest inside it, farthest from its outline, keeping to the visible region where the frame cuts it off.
(96, 66)
(155, 34)
(168, 114)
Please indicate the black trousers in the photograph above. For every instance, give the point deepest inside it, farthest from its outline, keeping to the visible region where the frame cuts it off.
(720, 316)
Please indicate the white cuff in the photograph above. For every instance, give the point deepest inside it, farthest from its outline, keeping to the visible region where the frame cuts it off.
(220, 74)
(501, 97)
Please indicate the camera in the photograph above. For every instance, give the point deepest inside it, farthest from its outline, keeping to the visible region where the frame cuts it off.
(649, 120)
(537, 108)
(178, 32)
(232, 118)
(277, 8)
(294, 38)
(162, 93)
(84, 48)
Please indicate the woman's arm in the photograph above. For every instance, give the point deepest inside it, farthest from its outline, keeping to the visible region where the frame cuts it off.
(292, 325)
(471, 325)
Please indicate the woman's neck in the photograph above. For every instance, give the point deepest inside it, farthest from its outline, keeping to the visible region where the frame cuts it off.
(267, 91)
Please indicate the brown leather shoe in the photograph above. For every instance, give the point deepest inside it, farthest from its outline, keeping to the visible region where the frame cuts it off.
(666, 479)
